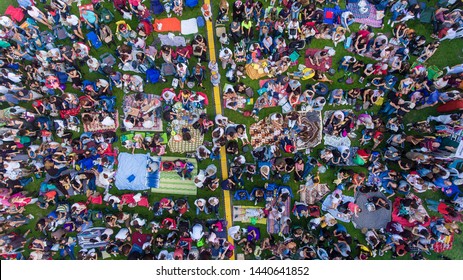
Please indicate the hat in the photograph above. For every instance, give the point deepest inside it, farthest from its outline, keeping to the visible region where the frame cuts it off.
(265, 169)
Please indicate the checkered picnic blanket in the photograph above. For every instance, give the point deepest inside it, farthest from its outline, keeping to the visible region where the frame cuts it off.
(187, 146)
(314, 194)
(96, 126)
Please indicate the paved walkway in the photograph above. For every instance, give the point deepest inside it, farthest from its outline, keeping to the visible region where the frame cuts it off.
(218, 110)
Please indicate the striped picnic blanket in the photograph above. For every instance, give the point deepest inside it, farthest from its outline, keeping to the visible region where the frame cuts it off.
(171, 183)
(273, 226)
(243, 218)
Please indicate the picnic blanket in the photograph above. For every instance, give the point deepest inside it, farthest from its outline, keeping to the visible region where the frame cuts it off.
(349, 161)
(324, 65)
(366, 16)
(171, 183)
(88, 239)
(311, 121)
(411, 221)
(97, 126)
(246, 218)
(238, 102)
(180, 146)
(336, 141)
(257, 70)
(314, 194)
(130, 108)
(167, 25)
(273, 226)
(173, 41)
(326, 206)
(131, 172)
(375, 219)
(264, 101)
(261, 133)
(189, 26)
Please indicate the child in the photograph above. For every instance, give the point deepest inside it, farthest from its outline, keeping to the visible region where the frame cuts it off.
(207, 13)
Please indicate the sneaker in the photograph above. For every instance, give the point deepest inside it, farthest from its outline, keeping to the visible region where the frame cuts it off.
(380, 253)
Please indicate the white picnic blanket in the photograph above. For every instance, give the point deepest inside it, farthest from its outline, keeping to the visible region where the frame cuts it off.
(189, 26)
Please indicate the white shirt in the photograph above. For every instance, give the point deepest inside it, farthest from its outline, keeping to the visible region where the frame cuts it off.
(72, 20)
(34, 12)
(223, 55)
(197, 232)
(213, 201)
(122, 234)
(108, 232)
(6, 21)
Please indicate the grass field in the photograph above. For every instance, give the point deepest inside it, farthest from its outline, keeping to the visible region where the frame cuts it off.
(449, 53)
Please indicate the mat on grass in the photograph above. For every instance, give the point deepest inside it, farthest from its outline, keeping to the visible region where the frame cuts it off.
(131, 172)
(273, 226)
(365, 15)
(257, 70)
(171, 183)
(97, 126)
(186, 146)
(153, 102)
(167, 25)
(375, 219)
(326, 206)
(189, 26)
(246, 218)
(336, 141)
(324, 65)
(314, 194)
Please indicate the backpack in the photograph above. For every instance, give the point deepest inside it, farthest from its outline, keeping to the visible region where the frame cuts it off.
(191, 3)
(94, 40)
(152, 76)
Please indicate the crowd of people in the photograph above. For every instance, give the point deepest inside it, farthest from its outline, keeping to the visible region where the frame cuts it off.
(60, 139)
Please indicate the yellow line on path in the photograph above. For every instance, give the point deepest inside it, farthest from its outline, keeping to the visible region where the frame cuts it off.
(218, 110)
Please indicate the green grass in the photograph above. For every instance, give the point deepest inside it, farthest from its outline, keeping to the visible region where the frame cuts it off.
(449, 53)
